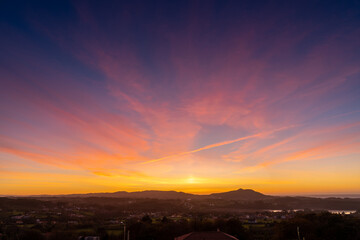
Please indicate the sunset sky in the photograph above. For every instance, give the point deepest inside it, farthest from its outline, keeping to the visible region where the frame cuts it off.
(193, 96)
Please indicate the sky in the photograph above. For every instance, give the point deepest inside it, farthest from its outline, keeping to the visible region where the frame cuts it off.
(193, 96)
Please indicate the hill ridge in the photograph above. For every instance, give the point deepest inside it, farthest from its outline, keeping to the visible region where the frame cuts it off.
(238, 194)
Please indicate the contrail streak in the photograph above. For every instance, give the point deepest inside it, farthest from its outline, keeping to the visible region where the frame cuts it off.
(218, 144)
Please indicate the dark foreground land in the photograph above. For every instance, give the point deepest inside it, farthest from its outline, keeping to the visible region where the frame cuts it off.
(67, 218)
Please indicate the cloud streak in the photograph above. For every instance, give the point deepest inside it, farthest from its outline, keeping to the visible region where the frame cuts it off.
(219, 144)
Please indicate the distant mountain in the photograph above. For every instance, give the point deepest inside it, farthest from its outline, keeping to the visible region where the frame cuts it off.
(146, 194)
(240, 194)
(153, 194)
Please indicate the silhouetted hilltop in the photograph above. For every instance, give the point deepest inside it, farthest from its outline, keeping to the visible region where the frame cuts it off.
(240, 194)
